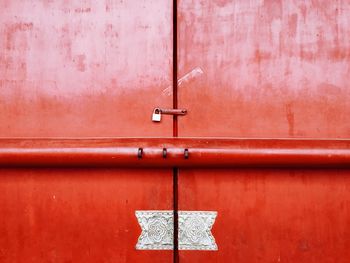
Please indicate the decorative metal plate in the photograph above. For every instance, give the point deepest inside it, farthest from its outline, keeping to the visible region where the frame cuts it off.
(194, 230)
(157, 229)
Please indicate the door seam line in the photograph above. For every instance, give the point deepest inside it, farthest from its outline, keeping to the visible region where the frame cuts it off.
(175, 134)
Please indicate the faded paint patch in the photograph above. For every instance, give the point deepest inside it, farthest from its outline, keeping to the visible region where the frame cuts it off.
(83, 10)
(12, 29)
(290, 118)
(80, 62)
(221, 3)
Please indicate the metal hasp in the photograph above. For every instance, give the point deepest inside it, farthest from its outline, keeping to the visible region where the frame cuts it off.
(179, 112)
(157, 112)
(174, 152)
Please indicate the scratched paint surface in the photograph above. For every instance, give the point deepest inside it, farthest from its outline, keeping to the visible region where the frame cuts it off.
(78, 215)
(78, 69)
(84, 68)
(272, 68)
(271, 215)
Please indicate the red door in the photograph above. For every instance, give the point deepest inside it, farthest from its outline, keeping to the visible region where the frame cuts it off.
(73, 70)
(82, 69)
(268, 69)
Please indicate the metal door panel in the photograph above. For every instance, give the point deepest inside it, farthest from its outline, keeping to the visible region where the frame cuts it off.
(78, 215)
(266, 69)
(84, 68)
(271, 215)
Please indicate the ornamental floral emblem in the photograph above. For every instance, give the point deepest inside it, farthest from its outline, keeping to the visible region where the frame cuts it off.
(157, 229)
(194, 230)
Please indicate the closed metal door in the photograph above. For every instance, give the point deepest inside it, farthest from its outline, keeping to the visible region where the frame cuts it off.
(89, 177)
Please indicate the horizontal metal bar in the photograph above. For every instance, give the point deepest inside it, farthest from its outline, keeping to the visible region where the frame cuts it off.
(173, 111)
(180, 152)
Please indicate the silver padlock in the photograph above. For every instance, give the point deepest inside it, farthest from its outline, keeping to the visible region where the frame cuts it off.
(157, 115)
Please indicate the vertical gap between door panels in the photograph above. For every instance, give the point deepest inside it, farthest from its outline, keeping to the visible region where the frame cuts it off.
(175, 102)
(175, 134)
(176, 218)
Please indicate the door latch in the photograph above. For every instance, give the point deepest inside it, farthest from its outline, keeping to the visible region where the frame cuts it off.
(157, 113)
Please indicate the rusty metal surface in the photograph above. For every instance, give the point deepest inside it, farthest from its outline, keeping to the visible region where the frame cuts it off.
(174, 152)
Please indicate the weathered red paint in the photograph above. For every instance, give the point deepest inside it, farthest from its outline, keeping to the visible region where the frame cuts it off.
(82, 69)
(271, 215)
(78, 215)
(271, 69)
(266, 69)
(210, 153)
